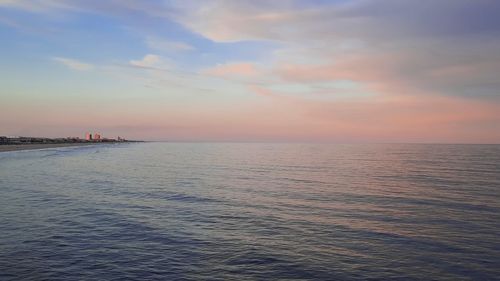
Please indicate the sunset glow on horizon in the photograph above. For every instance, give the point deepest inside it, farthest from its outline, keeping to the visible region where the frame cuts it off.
(306, 71)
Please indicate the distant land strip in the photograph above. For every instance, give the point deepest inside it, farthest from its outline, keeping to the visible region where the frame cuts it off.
(28, 143)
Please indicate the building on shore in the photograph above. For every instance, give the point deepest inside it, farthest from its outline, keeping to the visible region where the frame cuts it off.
(97, 137)
(88, 136)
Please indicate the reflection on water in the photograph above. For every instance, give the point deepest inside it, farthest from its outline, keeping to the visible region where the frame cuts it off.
(251, 212)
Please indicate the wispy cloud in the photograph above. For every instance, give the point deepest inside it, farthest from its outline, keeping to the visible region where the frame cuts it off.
(147, 61)
(151, 61)
(73, 64)
(241, 69)
(9, 22)
(35, 6)
(167, 46)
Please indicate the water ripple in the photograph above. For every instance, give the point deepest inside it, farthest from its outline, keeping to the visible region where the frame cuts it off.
(166, 211)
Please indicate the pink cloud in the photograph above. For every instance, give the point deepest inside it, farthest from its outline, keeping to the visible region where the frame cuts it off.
(389, 119)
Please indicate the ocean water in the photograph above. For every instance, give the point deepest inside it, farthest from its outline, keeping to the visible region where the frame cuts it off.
(202, 211)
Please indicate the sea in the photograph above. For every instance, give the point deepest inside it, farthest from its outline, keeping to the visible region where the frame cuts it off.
(251, 211)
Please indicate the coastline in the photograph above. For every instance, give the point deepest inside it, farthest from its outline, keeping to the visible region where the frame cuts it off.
(18, 147)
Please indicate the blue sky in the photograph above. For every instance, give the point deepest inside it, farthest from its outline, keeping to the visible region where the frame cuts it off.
(342, 71)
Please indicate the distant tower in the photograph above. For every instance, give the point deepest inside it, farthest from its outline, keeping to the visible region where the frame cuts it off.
(97, 136)
(88, 136)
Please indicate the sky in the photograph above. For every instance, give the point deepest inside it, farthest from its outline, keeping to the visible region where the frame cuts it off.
(286, 70)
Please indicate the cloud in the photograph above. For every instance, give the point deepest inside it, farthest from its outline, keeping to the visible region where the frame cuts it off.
(35, 6)
(117, 8)
(397, 44)
(168, 46)
(381, 119)
(229, 21)
(235, 69)
(73, 64)
(261, 91)
(429, 67)
(148, 61)
(377, 20)
(10, 22)
(424, 43)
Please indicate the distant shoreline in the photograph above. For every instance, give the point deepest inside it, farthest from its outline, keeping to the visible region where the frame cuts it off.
(17, 147)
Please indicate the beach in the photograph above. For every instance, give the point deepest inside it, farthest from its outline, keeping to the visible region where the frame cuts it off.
(16, 147)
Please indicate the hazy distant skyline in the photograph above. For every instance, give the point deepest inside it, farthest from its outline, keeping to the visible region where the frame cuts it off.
(327, 71)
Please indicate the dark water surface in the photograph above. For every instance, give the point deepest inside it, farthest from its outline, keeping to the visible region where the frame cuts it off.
(164, 211)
